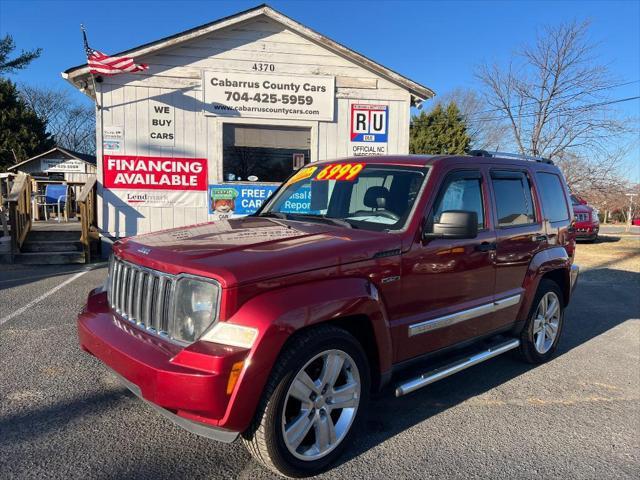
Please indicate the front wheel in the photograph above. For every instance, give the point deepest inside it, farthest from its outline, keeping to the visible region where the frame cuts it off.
(316, 393)
(541, 333)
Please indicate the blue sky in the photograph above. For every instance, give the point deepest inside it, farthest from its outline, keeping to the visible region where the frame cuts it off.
(438, 44)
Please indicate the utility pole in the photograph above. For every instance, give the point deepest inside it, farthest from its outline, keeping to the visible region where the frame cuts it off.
(629, 219)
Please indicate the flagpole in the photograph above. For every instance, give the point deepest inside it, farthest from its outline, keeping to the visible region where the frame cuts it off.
(100, 133)
(93, 79)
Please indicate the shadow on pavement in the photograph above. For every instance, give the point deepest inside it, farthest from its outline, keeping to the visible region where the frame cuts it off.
(388, 416)
(602, 266)
(585, 319)
(36, 422)
(607, 239)
(18, 275)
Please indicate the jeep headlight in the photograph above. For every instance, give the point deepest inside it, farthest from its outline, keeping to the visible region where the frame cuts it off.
(195, 308)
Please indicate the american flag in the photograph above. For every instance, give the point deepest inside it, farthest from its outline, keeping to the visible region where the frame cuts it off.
(103, 64)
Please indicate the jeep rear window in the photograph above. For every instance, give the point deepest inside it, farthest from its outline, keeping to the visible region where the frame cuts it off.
(513, 198)
(553, 201)
(371, 197)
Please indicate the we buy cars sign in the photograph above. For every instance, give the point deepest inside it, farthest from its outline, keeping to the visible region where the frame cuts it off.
(154, 173)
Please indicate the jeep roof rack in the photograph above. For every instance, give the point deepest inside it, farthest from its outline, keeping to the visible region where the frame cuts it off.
(485, 153)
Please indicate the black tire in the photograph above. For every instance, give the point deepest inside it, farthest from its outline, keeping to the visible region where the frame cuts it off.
(527, 350)
(264, 438)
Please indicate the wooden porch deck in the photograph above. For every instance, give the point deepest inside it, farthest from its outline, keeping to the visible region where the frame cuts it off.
(73, 225)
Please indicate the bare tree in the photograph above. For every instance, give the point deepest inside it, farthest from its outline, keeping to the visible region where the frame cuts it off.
(618, 203)
(70, 123)
(485, 133)
(553, 95)
(596, 177)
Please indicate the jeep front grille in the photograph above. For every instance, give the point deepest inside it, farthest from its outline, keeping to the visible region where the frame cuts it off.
(141, 295)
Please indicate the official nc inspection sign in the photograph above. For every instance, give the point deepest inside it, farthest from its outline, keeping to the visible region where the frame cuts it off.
(269, 96)
(369, 123)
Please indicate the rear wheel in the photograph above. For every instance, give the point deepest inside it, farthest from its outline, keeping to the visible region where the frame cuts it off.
(311, 405)
(541, 334)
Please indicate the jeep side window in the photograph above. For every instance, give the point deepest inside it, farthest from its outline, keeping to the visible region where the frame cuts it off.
(461, 192)
(514, 203)
(553, 201)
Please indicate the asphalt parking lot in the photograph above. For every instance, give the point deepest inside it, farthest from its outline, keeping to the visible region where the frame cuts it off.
(63, 415)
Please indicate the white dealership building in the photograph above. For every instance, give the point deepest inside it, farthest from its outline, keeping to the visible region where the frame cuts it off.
(229, 109)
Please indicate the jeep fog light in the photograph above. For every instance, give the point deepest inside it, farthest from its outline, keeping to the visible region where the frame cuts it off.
(232, 334)
(195, 308)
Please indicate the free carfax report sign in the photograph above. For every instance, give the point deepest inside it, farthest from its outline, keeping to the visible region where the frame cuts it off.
(238, 199)
(369, 123)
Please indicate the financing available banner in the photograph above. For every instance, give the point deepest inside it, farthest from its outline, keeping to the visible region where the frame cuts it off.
(156, 181)
(154, 173)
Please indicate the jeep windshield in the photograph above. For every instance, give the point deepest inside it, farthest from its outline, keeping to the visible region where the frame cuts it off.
(349, 194)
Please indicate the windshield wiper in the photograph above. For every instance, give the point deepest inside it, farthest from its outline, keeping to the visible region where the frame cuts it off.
(280, 215)
(331, 220)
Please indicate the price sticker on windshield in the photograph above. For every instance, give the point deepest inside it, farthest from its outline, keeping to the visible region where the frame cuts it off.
(341, 171)
(302, 174)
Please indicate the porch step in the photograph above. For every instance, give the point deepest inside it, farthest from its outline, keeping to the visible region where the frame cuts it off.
(50, 246)
(53, 235)
(49, 258)
(5, 245)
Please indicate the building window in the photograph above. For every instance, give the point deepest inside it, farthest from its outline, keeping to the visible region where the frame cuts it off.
(263, 153)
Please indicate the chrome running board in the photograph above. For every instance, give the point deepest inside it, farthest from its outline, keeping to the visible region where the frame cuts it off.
(455, 367)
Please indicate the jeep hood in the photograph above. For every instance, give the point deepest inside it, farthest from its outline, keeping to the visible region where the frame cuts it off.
(582, 209)
(250, 249)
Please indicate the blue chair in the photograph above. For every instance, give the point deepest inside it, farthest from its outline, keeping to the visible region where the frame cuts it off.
(55, 195)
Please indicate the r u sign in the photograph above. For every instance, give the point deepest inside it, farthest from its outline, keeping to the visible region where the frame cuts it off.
(369, 123)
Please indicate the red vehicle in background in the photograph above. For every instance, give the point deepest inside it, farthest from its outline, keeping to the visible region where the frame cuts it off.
(586, 217)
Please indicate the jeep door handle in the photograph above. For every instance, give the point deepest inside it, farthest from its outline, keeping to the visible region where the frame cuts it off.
(486, 247)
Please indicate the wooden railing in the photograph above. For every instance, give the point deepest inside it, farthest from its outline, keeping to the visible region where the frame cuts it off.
(20, 214)
(4, 211)
(87, 202)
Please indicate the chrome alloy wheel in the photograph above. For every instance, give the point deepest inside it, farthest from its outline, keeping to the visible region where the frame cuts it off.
(546, 322)
(321, 405)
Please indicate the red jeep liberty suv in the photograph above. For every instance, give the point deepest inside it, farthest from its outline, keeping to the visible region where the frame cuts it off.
(586, 221)
(276, 327)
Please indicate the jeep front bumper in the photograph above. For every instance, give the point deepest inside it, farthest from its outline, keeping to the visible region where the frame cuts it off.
(187, 385)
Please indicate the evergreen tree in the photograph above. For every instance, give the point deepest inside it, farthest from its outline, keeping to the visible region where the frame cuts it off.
(22, 133)
(7, 65)
(441, 131)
